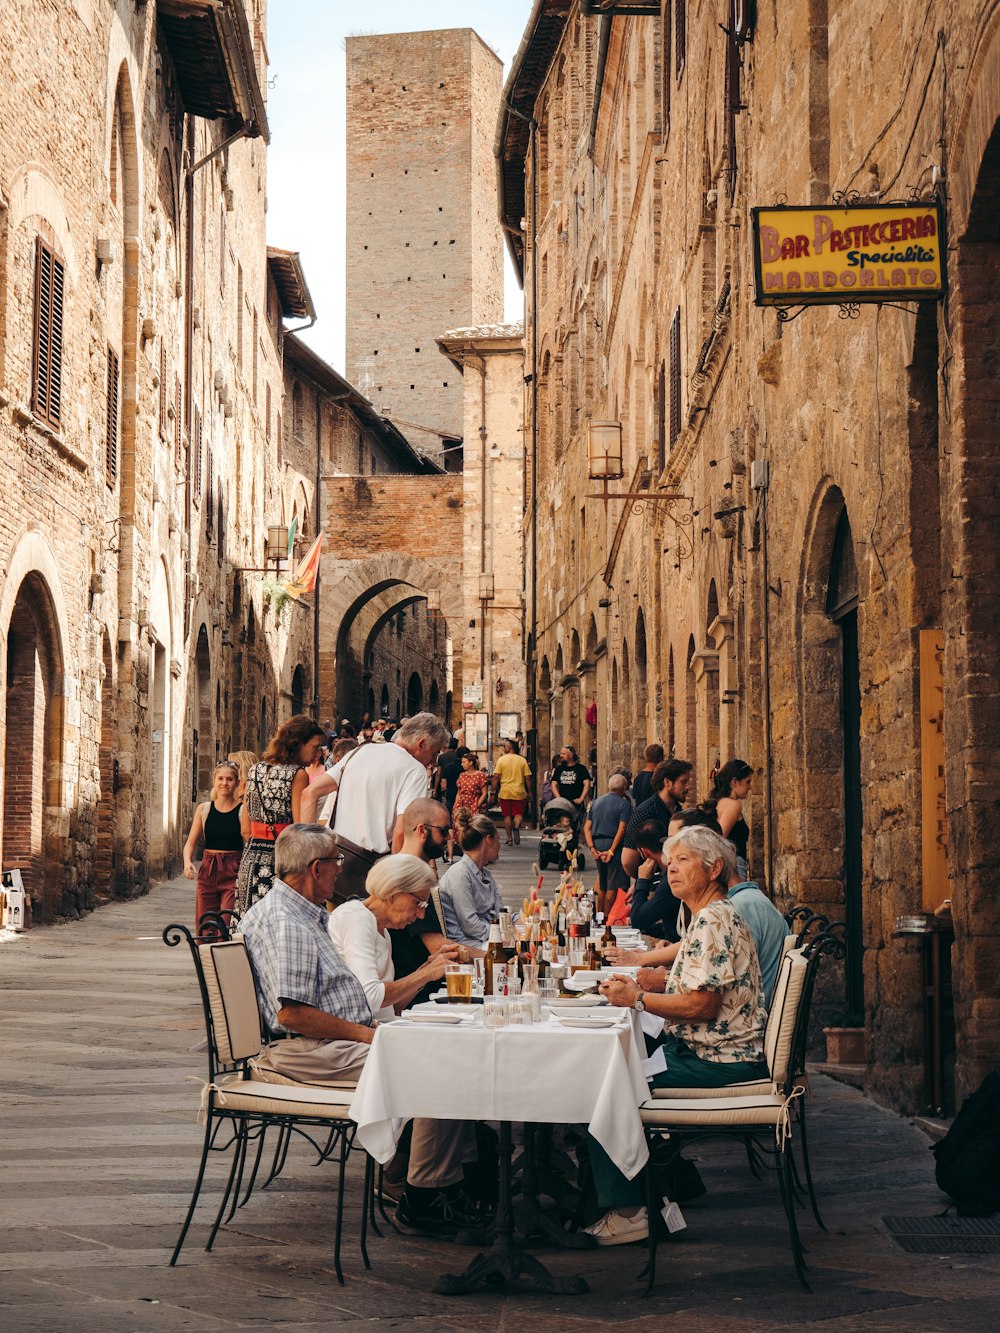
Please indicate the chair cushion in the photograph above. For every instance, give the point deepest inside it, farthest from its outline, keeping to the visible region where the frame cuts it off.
(232, 998)
(781, 1020)
(759, 1087)
(718, 1113)
(236, 1094)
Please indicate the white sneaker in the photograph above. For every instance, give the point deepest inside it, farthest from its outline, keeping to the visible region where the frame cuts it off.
(620, 1227)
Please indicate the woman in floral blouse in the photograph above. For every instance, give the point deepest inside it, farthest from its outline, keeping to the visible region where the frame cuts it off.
(713, 1005)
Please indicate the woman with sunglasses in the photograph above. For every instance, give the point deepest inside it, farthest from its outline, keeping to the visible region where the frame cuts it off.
(399, 889)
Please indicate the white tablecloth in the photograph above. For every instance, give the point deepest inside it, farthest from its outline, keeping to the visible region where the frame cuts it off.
(544, 1073)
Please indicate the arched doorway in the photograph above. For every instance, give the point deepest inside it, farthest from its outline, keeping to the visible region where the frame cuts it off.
(842, 608)
(105, 850)
(414, 694)
(34, 744)
(434, 698)
(298, 690)
(639, 739)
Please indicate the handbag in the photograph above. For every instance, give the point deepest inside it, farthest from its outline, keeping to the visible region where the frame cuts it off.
(358, 860)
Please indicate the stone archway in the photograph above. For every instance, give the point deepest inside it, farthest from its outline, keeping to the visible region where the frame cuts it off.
(33, 744)
(970, 541)
(359, 599)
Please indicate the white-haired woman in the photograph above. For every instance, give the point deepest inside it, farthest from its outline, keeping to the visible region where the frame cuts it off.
(399, 889)
(713, 1006)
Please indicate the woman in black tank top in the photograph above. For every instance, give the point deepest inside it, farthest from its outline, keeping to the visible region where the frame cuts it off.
(218, 822)
(731, 789)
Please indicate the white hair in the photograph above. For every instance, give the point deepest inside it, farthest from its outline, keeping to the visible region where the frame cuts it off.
(400, 873)
(422, 727)
(299, 845)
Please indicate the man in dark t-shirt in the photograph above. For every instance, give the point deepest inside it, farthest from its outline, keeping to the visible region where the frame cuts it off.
(670, 782)
(642, 787)
(570, 778)
(446, 775)
(426, 825)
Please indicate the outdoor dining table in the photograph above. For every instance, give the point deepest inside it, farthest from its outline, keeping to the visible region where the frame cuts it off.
(542, 1073)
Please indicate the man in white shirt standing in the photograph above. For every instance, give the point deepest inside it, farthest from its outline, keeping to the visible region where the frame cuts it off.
(375, 785)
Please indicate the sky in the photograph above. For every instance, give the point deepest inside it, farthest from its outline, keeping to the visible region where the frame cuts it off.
(306, 110)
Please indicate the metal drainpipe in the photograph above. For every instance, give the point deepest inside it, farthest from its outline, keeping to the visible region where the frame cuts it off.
(318, 516)
(480, 364)
(533, 660)
(189, 366)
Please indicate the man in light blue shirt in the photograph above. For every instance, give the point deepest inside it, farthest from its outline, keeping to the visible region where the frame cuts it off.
(767, 926)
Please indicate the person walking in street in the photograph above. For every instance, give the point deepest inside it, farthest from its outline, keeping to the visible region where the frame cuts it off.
(730, 789)
(604, 832)
(512, 784)
(642, 787)
(671, 782)
(244, 761)
(571, 779)
(446, 774)
(273, 799)
(375, 784)
(217, 820)
(472, 788)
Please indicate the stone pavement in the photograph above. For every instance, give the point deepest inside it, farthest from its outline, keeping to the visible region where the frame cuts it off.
(101, 1141)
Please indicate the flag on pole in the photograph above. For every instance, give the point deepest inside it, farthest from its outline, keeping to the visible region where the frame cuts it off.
(304, 579)
(292, 532)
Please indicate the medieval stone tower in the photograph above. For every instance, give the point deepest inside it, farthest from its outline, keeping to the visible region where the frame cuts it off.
(424, 247)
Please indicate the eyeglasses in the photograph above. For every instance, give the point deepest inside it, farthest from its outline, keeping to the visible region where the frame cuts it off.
(440, 828)
(337, 860)
(421, 904)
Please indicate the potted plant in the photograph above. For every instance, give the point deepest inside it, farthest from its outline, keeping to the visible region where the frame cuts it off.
(845, 1041)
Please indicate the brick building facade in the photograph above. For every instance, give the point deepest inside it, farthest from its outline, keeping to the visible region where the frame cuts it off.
(780, 621)
(146, 439)
(424, 251)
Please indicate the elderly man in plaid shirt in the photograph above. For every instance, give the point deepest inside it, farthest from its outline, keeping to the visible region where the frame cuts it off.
(321, 1026)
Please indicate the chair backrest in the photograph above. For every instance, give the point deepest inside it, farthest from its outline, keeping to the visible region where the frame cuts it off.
(787, 945)
(782, 1019)
(232, 1000)
(436, 900)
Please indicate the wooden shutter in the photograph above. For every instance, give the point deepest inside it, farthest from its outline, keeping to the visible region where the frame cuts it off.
(667, 70)
(111, 419)
(279, 438)
(675, 378)
(50, 284)
(196, 460)
(163, 389)
(209, 494)
(661, 416)
(178, 427)
(680, 35)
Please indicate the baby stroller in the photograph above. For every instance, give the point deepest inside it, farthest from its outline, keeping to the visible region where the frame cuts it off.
(560, 835)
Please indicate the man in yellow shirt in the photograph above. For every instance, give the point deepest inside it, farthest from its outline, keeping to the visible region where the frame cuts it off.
(512, 778)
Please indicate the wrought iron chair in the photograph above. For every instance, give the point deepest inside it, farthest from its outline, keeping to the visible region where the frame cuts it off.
(240, 1111)
(765, 1115)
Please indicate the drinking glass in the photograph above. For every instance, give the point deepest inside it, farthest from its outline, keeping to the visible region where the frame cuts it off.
(494, 1011)
(478, 976)
(519, 1011)
(458, 980)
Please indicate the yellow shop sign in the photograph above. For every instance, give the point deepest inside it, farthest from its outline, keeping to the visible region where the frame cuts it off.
(832, 256)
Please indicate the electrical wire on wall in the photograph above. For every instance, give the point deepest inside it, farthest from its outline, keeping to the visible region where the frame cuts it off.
(878, 445)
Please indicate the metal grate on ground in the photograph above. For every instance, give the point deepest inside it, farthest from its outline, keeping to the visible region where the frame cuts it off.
(945, 1235)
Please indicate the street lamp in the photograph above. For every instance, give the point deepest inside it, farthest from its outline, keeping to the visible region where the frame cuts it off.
(486, 587)
(277, 543)
(434, 601)
(604, 450)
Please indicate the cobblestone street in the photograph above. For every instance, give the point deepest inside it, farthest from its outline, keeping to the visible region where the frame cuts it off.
(99, 1122)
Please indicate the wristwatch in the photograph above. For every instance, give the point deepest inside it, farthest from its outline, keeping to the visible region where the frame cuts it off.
(640, 1004)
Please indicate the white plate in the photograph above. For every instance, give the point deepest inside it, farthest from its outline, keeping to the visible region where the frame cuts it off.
(576, 1002)
(586, 1020)
(450, 1019)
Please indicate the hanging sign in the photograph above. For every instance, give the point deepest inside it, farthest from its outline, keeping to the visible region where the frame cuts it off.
(838, 256)
(472, 695)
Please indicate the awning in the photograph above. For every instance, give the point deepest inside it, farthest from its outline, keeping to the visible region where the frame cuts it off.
(210, 44)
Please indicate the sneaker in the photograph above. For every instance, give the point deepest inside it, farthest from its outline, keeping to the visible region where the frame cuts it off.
(619, 1227)
(440, 1218)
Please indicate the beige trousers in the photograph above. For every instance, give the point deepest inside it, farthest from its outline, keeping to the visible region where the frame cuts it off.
(438, 1147)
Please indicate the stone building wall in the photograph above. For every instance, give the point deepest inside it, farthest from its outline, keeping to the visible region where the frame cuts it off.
(719, 635)
(423, 241)
(145, 652)
(391, 539)
(491, 360)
